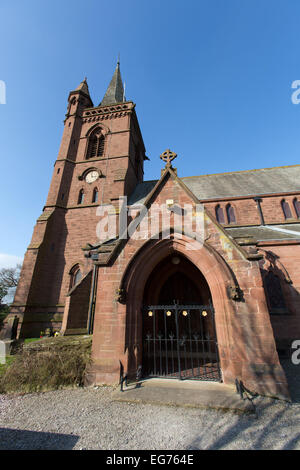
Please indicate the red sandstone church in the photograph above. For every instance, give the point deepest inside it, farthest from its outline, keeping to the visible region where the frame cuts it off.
(224, 310)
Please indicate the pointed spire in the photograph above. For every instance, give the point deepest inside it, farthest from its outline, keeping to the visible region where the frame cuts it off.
(115, 91)
(83, 87)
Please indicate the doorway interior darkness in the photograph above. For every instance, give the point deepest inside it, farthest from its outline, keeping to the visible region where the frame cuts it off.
(179, 338)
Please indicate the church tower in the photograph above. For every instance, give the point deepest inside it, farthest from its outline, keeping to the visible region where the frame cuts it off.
(101, 158)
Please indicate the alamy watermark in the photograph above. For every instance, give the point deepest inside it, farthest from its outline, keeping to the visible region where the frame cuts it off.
(296, 354)
(2, 92)
(296, 94)
(159, 221)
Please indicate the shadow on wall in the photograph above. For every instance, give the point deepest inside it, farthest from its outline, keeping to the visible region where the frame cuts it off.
(281, 296)
(263, 373)
(16, 439)
(292, 373)
(283, 301)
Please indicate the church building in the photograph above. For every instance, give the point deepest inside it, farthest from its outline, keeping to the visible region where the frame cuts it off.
(196, 277)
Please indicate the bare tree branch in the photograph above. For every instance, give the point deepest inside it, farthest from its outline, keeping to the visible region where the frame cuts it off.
(9, 277)
(3, 293)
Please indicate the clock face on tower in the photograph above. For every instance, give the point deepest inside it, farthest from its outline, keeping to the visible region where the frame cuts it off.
(92, 176)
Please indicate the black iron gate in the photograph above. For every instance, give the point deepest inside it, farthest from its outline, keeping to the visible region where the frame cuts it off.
(180, 342)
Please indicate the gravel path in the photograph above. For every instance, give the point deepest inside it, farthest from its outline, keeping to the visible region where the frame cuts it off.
(89, 419)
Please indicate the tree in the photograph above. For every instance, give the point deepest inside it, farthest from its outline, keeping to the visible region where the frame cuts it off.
(3, 293)
(9, 278)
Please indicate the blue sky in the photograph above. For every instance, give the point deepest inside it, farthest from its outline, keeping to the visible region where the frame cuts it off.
(211, 80)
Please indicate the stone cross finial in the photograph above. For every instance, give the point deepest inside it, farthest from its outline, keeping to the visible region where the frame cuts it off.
(167, 156)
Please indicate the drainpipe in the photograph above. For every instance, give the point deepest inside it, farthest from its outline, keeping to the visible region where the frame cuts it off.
(92, 300)
(258, 201)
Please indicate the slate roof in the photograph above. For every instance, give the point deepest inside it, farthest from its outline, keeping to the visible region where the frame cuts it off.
(264, 233)
(141, 192)
(240, 183)
(115, 91)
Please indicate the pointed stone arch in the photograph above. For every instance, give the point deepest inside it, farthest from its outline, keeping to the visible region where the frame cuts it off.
(103, 127)
(216, 273)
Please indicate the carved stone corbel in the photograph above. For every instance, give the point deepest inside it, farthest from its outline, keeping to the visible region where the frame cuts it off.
(121, 296)
(235, 293)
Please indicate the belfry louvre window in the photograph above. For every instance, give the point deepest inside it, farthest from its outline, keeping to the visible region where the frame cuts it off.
(95, 144)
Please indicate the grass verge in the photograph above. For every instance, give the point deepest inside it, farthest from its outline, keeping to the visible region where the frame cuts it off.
(4, 367)
(48, 364)
(30, 340)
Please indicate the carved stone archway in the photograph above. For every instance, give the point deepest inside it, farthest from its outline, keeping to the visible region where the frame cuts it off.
(216, 273)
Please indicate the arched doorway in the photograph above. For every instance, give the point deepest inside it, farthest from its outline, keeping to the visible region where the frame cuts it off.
(179, 336)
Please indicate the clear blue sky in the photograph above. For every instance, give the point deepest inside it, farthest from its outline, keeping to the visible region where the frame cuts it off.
(211, 79)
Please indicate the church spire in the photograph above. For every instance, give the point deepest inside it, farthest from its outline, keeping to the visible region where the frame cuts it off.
(82, 90)
(83, 87)
(115, 91)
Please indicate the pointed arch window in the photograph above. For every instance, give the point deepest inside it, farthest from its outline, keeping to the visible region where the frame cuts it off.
(96, 143)
(81, 197)
(75, 275)
(297, 207)
(220, 214)
(274, 293)
(230, 214)
(286, 209)
(95, 195)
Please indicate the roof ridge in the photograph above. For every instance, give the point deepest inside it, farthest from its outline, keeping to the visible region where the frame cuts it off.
(241, 171)
(229, 172)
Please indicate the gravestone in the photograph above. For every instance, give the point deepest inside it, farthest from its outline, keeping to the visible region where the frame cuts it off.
(10, 330)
